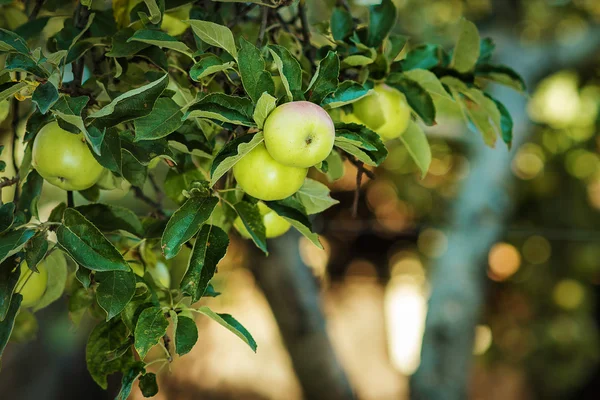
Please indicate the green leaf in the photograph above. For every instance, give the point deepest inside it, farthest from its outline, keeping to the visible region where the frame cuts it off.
(357, 60)
(207, 66)
(36, 249)
(215, 35)
(416, 143)
(231, 324)
(10, 41)
(210, 247)
(486, 49)
(9, 89)
(130, 105)
(341, 24)
(293, 212)
(185, 223)
(290, 71)
(109, 218)
(361, 142)
(13, 241)
(150, 328)
(502, 75)
(466, 52)
(7, 216)
(160, 39)
(335, 166)
(255, 79)
(221, 107)
(382, 18)
(9, 277)
(22, 62)
(176, 182)
(425, 56)
(253, 221)
(393, 46)
(121, 47)
(314, 196)
(186, 335)
(110, 156)
(429, 82)
(231, 153)
(116, 289)
(164, 119)
(347, 93)
(45, 96)
(325, 80)
(417, 97)
(506, 123)
(265, 104)
(102, 344)
(79, 302)
(30, 195)
(148, 385)
(134, 171)
(483, 113)
(70, 105)
(56, 265)
(87, 245)
(7, 324)
(128, 379)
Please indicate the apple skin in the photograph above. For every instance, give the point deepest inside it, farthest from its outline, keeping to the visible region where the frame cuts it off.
(36, 285)
(274, 224)
(63, 159)
(259, 175)
(385, 111)
(299, 134)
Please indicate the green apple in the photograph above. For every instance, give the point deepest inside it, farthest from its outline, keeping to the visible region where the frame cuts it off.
(259, 175)
(299, 134)
(63, 158)
(385, 111)
(274, 224)
(160, 274)
(35, 287)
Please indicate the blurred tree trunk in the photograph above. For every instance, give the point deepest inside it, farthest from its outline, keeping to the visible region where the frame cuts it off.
(480, 214)
(293, 294)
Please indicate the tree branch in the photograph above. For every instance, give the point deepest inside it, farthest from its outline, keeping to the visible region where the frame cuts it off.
(305, 30)
(239, 16)
(15, 137)
(263, 26)
(36, 9)
(139, 193)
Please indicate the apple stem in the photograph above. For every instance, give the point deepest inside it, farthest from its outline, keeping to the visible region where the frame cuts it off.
(70, 199)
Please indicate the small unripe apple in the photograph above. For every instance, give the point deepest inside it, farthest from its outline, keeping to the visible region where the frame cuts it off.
(275, 225)
(385, 111)
(63, 158)
(259, 175)
(299, 134)
(35, 287)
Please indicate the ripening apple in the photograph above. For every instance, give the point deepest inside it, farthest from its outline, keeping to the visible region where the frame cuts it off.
(299, 134)
(275, 225)
(36, 283)
(63, 158)
(385, 111)
(259, 175)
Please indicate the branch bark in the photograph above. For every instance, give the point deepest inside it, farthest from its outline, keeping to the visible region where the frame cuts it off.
(293, 295)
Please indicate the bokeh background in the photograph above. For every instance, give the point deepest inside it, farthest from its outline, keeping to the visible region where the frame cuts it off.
(513, 234)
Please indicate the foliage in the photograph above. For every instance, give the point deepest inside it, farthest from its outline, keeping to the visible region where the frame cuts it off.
(195, 101)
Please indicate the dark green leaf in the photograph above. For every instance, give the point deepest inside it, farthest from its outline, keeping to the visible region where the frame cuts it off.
(417, 97)
(9, 89)
(361, 142)
(104, 341)
(30, 194)
(253, 221)
(10, 41)
(164, 119)
(57, 213)
(185, 223)
(325, 80)
(231, 153)
(129, 377)
(9, 277)
(116, 289)
(341, 24)
(71, 105)
(486, 49)
(176, 182)
(255, 79)
(56, 264)
(425, 56)
(36, 249)
(224, 108)
(31, 29)
(7, 324)
(13, 241)
(121, 47)
(87, 245)
(347, 92)
(109, 218)
(150, 328)
(502, 75)
(506, 123)
(231, 324)
(293, 212)
(45, 96)
(289, 70)
(133, 170)
(148, 385)
(186, 335)
(382, 18)
(110, 151)
(84, 276)
(394, 45)
(79, 302)
(22, 62)
(207, 66)
(7, 216)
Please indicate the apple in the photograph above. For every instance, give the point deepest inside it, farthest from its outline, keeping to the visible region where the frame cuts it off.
(160, 274)
(36, 283)
(385, 111)
(259, 175)
(274, 224)
(299, 134)
(63, 158)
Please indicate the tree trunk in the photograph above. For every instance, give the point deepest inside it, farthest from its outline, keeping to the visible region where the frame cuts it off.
(293, 294)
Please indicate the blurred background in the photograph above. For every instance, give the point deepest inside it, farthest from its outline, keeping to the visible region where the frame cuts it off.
(506, 240)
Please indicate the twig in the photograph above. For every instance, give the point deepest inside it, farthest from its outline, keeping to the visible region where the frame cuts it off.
(263, 26)
(343, 3)
(6, 182)
(305, 30)
(167, 342)
(361, 167)
(241, 15)
(159, 194)
(36, 9)
(80, 19)
(139, 193)
(15, 137)
(70, 199)
(359, 175)
(282, 22)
